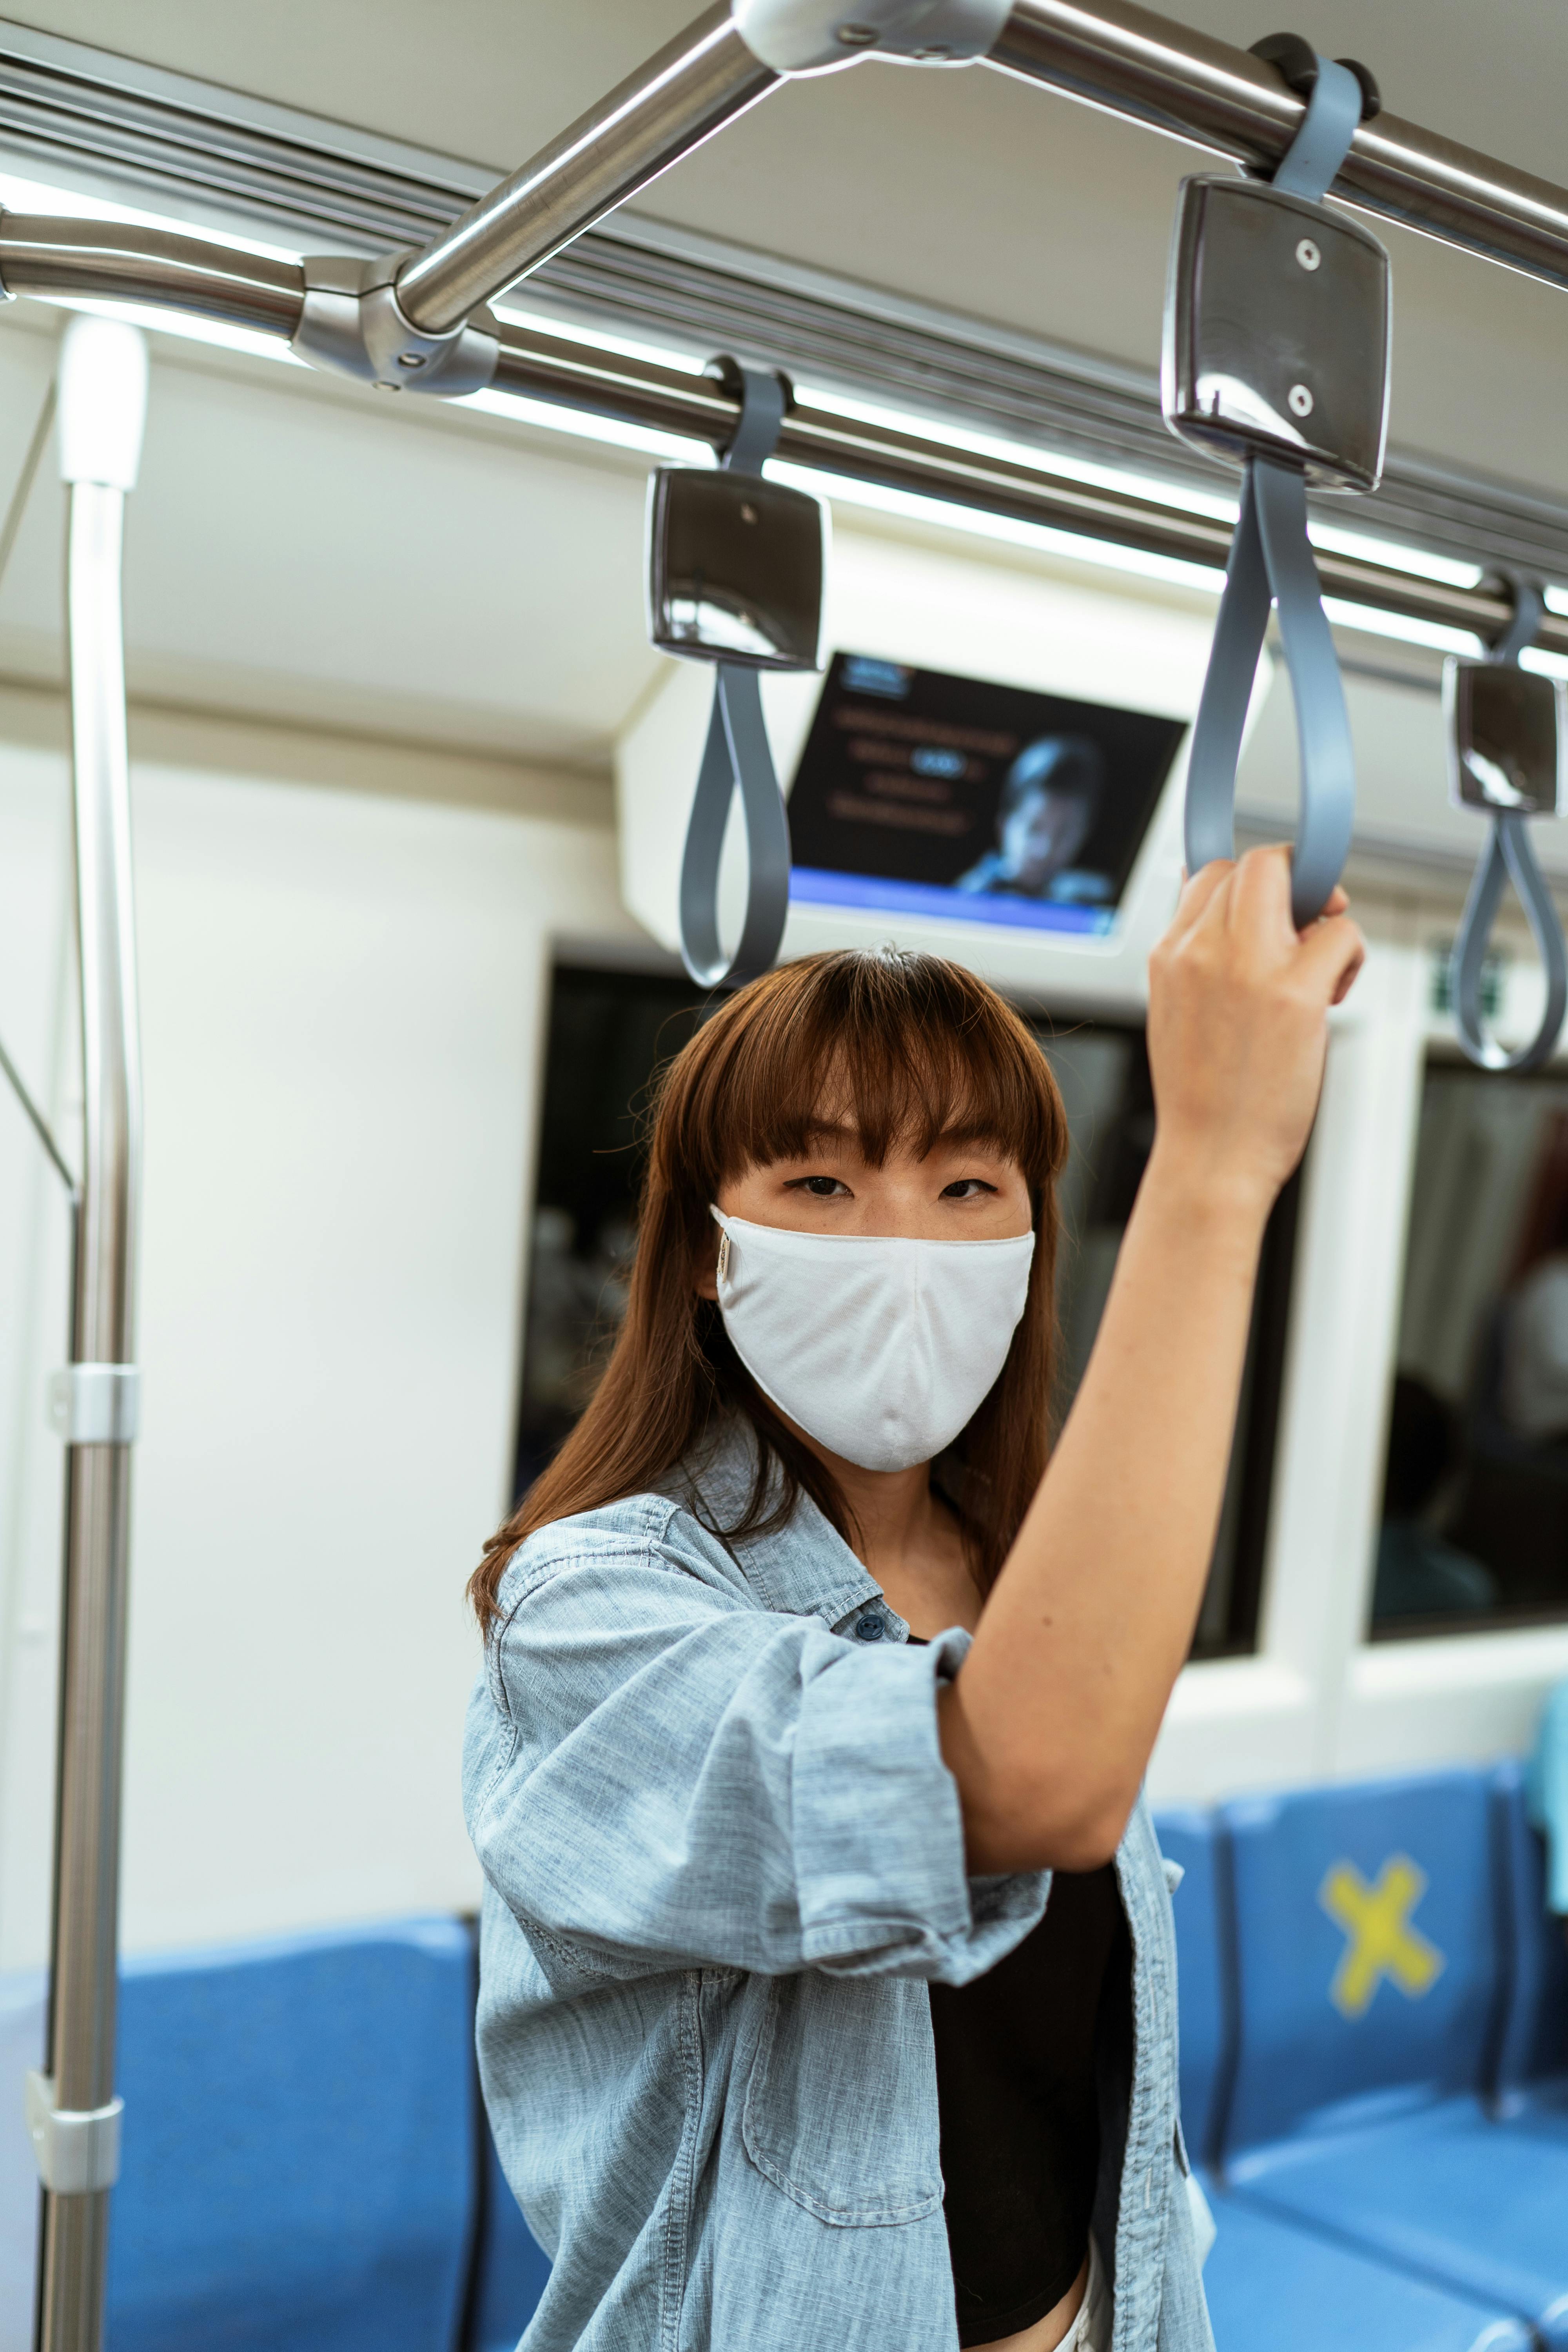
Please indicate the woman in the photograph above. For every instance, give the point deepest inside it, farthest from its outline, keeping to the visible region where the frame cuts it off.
(827, 1990)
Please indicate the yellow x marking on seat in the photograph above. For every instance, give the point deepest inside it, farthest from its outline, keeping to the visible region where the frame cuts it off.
(1382, 1943)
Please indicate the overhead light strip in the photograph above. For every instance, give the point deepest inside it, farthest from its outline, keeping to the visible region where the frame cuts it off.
(614, 389)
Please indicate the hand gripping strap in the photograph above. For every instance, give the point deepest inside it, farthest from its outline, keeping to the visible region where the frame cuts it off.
(737, 756)
(1509, 853)
(1271, 562)
(1270, 559)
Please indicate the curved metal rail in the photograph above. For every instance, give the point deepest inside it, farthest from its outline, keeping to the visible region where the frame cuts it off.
(41, 254)
(1129, 61)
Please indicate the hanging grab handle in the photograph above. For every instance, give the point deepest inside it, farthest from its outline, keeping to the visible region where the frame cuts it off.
(1271, 563)
(737, 757)
(1509, 855)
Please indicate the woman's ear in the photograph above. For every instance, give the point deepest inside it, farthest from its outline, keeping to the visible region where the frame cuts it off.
(705, 1281)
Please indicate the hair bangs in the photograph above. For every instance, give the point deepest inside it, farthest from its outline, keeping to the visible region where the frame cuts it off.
(901, 1048)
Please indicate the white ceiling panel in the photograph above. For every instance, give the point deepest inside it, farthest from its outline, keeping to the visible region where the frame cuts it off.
(301, 551)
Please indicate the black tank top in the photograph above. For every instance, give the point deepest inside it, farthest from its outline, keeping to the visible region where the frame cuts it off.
(1017, 2094)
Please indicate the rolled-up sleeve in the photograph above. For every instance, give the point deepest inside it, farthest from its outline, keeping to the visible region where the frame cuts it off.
(658, 1774)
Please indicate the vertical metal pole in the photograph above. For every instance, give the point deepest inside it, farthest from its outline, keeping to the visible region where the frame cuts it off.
(73, 2110)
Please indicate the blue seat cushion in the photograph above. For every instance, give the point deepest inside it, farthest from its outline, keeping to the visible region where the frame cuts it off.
(1444, 2192)
(1271, 2283)
(1369, 1941)
(300, 2146)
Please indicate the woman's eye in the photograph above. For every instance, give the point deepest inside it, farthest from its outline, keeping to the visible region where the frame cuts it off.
(966, 1188)
(821, 1187)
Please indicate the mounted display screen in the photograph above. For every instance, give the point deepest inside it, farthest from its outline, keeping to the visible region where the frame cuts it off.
(938, 795)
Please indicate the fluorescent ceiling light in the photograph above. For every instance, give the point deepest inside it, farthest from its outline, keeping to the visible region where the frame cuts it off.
(631, 347)
(1557, 600)
(1395, 555)
(20, 194)
(1376, 623)
(1549, 665)
(978, 523)
(1158, 489)
(184, 323)
(584, 425)
(1181, 496)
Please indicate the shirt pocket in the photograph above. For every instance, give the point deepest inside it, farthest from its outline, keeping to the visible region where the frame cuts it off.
(840, 2109)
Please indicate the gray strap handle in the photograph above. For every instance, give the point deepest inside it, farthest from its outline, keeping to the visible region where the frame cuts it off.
(1509, 854)
(738, 757)
(1271, 562)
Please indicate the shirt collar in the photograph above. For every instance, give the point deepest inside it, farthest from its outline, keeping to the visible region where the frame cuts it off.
(804, 1566)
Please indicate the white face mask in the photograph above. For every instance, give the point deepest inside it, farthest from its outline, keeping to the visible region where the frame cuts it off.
(879, 1347)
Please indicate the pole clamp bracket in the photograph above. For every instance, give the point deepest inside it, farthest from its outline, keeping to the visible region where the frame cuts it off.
(352, 321)
(77, 2149)
(806, 36)
(96, 1404)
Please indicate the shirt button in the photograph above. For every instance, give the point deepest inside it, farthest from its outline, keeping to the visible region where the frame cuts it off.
(869, 1629)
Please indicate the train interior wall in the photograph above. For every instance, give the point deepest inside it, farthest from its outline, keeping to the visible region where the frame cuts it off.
(346, 944)
(381, 667)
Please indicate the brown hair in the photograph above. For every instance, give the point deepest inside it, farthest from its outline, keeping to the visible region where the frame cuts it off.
(909, 1048)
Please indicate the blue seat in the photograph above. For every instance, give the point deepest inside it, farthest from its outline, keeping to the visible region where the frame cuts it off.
(1275, 2284)
(511, 2266)
(1371, 1943)
(300, 2146)
(1271, 2281)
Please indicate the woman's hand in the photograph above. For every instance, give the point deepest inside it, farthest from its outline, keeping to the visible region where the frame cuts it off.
(1236, 1033)
(1049, 1725)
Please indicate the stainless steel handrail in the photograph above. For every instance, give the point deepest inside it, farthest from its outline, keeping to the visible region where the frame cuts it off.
(82, 1982)
(1117, 56)
(72, 259)
(107, 262)
(1129, 62)
(699, 82)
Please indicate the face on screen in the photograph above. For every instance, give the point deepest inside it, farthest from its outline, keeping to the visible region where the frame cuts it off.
(1041, 838)
(920, 790)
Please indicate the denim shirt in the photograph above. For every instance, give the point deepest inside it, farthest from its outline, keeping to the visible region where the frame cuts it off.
(723, 1858)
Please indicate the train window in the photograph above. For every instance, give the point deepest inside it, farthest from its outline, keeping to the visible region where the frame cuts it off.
(1474, 1526)
(608, 1033)
(1103, 1072)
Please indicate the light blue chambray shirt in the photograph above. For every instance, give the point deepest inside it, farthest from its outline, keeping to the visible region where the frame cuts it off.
(723, 1858)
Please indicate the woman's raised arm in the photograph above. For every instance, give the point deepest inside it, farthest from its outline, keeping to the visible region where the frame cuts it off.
(1049, 1725)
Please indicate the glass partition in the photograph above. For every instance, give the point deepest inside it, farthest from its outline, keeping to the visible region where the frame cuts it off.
(608, 1031)
(1474, 1523)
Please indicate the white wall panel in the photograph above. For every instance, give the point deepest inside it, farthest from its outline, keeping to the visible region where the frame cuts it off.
(342, 1004)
